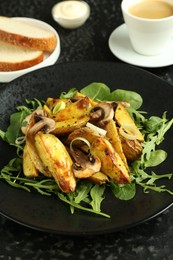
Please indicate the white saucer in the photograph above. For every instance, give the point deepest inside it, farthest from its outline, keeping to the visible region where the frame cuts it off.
(120, 45)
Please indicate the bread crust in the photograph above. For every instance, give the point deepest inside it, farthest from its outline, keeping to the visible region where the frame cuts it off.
(42, 44)
(13, 66)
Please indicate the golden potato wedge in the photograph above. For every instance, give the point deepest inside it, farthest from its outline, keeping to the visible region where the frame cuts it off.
(77, 109)
(56, 158)
(80, 95)
(114, 139)
(111, 163)
(122, 117)
(29, 168)
(99, 178)
(35, 157)
(70, 125)
(131, 148)
(84, 132)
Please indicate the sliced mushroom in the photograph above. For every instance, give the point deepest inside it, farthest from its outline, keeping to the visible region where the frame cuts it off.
(44, 124)
(31, 119)
(102, 114)
(85, 165)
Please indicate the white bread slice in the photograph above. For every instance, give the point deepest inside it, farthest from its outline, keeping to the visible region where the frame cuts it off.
(23, 34)
(14, 58)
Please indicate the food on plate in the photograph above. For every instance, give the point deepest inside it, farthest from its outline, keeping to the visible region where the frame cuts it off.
(22, 45)
(56, 160)
(67, 160)
(77, 145)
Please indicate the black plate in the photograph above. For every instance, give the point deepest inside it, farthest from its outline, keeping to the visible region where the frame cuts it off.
(48, 213)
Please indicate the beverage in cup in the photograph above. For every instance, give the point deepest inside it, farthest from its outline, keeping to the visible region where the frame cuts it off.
(149, 24)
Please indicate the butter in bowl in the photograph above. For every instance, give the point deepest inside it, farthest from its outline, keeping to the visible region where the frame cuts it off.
(71, 14)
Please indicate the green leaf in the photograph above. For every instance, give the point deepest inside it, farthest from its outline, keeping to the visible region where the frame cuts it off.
(131, 97)
(156, 158)
(97, 91)
(153, 123)
(14, 128)
(2, 135)
(82, 192)
(71, 93)
(78, 206)
(96, 195)
(123, 191)
(31, 106)
(155, 177)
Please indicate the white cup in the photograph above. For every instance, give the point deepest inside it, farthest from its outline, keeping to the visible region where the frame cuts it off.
(148, 36)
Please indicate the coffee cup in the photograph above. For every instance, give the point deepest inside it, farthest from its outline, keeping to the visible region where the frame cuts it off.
(149, 24)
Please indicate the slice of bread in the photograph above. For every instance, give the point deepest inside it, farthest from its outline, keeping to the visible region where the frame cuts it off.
(14, 58)
(23, 34)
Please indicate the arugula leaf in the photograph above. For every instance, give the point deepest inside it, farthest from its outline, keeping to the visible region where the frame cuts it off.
(31, 105)
(64, 198)
(44, 187)
(153, 124)
(82, 192)
(97, 197)
(71, 93)
(152, 139)
(150, 184)
(138, 117)
(146, 180)
(12, 173)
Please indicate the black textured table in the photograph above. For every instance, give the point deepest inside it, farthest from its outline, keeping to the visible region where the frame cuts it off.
(150, 240)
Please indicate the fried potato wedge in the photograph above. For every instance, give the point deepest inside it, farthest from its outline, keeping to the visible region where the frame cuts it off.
(113, 136)
(111, 163)
(80, 95)
(99, 178)
(35, 157)
(84, 132)
(132, 148)
(74, 110)
(29, 168)
(122, 117)
(56, 158)
(70, 125)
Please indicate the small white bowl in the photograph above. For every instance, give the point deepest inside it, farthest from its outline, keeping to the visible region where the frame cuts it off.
(49, 59)
(71, 14)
